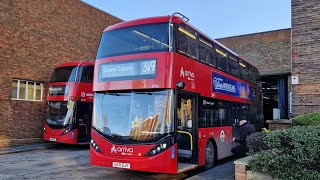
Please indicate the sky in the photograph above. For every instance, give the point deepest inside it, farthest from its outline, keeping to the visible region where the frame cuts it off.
(216, 18)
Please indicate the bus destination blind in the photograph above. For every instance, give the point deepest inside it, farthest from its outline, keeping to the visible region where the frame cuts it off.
(128, 70)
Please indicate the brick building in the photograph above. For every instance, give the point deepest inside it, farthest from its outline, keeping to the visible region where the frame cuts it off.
(35, 36)
(306, 56)
(288, 60)
(270, 52)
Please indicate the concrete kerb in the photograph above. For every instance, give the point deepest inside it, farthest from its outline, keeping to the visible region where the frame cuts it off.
(18, 149)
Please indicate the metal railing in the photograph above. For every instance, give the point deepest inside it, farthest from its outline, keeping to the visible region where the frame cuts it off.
(170, 31)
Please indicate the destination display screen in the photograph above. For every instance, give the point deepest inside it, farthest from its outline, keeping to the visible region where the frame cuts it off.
(128, 70)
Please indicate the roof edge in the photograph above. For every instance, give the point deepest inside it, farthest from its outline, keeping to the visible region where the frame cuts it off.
(262, 32)
(276, 72)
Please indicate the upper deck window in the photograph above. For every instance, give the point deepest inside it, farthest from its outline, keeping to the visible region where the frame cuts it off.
(234, 66)
(206, 52)
(252, 77)
(187, 42)
(222, 59)
(65, 74)
(134, 40)
(244, 70)
(87, 74)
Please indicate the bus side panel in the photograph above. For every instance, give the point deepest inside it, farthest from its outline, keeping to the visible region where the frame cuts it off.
(198, 78)
(164, 162)
(55, 135)
(222, 137)
(84, 91)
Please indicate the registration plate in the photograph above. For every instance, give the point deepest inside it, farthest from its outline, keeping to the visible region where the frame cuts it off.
(53, 139)
(121, 165)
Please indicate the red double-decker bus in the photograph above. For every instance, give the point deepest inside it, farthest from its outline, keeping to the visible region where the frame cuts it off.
(70, 101)
(167, 97)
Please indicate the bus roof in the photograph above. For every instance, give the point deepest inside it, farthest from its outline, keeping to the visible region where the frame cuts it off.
(75, 63)
(175, 19)
(148, 20)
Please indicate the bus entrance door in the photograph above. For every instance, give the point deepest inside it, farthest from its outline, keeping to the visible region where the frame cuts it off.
(84, 115)
(186, 131)
(235, 116)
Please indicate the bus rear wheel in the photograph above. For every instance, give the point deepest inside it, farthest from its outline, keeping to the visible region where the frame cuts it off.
(209, 155)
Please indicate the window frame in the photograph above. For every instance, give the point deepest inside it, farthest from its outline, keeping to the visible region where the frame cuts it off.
(27, 90)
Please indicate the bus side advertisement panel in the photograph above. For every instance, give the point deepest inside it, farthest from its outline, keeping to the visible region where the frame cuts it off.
(224, 85)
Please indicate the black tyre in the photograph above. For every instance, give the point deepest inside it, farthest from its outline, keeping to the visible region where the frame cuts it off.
(209, 152)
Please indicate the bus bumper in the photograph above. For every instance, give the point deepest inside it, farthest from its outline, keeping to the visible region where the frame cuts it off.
(55, 136)
(162, 163)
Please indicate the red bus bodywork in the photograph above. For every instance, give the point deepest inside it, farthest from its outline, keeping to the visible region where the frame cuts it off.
(172, 68)
(78, 92)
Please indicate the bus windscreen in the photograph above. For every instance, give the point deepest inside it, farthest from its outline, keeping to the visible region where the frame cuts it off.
(60, 113)
(134, 39)
(131, 117)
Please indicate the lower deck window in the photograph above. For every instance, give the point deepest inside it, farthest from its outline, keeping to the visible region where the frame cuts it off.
(222, 113)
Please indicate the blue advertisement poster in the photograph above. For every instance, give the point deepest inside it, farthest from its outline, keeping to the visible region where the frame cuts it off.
(225, 85)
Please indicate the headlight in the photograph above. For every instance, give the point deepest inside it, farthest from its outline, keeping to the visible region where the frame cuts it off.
(66, 131)
(69, 129)
(163, 145)
(95, 146)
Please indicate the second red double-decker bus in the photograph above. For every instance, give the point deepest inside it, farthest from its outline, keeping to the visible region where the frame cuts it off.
(168, 98)
(70, 101)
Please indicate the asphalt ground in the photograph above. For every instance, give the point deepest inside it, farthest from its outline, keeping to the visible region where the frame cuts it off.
(21, 155)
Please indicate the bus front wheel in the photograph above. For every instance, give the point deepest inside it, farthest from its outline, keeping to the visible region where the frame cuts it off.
(209, 155)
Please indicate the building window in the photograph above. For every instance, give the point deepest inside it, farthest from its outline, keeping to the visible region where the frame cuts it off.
(26, 90)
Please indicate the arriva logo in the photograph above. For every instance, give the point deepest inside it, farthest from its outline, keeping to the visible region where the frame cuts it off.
(122, 150)
(113, 149)
(185, 73)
